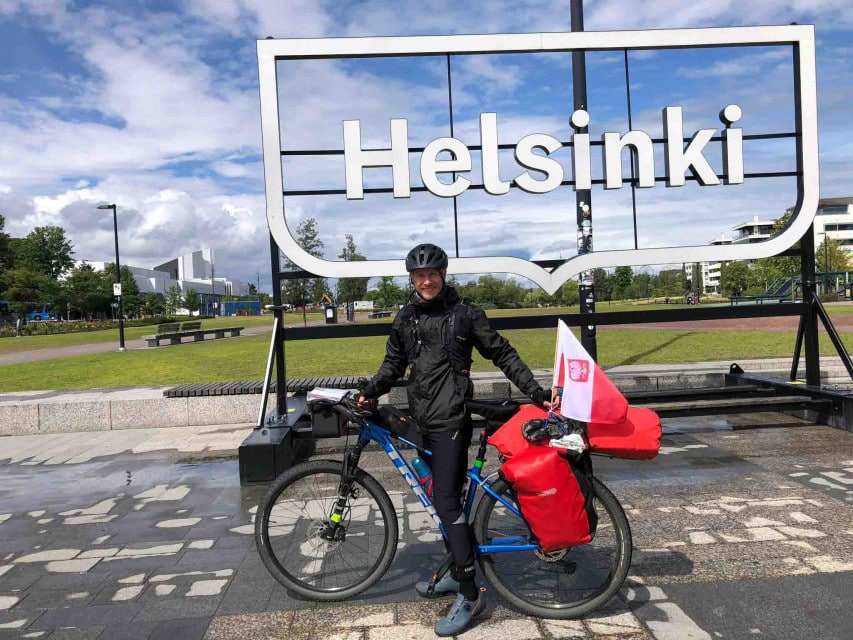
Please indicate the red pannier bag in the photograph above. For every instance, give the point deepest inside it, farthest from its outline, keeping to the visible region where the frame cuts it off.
(509, 440)
(636, 437)
(555, 497)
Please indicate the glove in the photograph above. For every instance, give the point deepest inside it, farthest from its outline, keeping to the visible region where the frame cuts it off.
(541, 396)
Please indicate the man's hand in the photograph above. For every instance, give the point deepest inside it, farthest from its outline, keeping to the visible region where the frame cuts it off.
(367, 403)
(556, 398)
(542, 398)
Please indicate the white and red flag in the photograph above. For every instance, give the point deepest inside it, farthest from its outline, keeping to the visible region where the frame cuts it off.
(588, 394)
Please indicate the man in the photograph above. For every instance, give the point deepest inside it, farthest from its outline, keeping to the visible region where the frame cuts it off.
(433, 336)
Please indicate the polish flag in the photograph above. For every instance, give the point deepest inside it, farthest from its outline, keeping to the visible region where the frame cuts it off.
(588, 394)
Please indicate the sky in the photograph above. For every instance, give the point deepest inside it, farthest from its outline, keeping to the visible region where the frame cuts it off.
(154, 106)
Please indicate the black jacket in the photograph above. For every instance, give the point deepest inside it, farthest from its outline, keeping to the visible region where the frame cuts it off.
(434, 339)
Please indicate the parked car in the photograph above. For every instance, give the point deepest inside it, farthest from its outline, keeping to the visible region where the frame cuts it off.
(40, 315)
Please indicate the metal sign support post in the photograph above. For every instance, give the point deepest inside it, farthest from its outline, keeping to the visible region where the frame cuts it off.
(583, 197)
(281, 381)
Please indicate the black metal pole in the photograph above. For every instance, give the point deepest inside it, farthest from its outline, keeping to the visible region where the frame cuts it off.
(118, 276)
(583, 197)
(280, 380)
(810, 336)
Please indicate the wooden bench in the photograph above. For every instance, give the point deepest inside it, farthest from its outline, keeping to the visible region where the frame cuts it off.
(379, 314)
(198, 335)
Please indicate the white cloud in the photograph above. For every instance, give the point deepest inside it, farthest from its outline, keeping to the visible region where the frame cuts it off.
(158, 112)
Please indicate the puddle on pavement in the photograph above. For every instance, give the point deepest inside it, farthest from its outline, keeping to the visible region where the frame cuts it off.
(23, 487)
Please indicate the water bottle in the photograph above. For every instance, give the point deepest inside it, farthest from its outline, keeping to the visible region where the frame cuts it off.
(424, 474)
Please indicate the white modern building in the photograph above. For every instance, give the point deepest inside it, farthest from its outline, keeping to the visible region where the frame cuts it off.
(711, 270)
(834, 218)
(190, 271)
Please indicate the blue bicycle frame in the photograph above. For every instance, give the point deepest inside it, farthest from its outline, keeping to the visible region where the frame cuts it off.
(381, 436)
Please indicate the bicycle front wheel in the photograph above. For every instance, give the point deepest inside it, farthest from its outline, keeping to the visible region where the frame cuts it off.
(292, 532)
(562, 584)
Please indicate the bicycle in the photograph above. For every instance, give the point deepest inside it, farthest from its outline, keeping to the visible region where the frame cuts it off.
(327, 530)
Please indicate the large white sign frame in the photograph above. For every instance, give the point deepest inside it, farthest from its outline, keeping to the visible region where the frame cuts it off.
(799, 37)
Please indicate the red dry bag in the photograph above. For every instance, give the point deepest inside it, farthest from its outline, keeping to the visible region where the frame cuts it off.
(509, 439)
(636, 437)
(555, 497)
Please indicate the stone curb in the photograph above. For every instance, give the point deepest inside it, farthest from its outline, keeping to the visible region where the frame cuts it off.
(44, 412)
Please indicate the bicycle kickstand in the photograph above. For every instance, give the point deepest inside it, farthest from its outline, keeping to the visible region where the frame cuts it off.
(438, 575)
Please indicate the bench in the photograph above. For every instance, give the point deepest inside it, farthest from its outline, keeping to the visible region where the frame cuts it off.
(379, 314)
(758, 299)
(191, 326)
(198, 335)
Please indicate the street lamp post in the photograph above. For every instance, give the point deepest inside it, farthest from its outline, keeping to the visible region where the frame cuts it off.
(825, 260)
(258, 291)
(118, 277)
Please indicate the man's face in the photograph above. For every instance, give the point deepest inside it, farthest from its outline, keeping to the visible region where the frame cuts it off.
(428, 282)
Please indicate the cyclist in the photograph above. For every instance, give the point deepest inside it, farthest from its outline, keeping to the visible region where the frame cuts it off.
(433, 335)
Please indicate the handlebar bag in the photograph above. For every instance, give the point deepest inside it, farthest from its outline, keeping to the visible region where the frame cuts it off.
(636, 437)
(509, 439)
(555, 497)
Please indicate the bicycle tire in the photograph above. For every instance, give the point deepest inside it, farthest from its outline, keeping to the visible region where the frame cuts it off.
(521, 577)
(287, 527)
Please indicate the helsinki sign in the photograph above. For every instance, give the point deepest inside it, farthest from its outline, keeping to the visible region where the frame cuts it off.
(678, 158)
(538, 155)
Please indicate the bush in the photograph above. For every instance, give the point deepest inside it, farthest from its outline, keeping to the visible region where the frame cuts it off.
(53, 328)
(78, 326)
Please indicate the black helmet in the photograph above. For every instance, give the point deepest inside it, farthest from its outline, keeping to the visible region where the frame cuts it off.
(426, 256)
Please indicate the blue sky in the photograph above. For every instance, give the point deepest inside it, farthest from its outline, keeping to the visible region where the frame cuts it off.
(154, 106)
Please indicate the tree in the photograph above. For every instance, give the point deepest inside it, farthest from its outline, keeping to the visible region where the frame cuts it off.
(571, 295)
(174, 299)
(734, 278)
(86, 291)
(642, 285)
(351, 289)
(192, 300)
(831, 256)
(130, 298)
(6, 258)
(388, 293)
(603, 284)
(46, 250)
(301, 291)
(27, 289)
(621, 280)
(153, 305)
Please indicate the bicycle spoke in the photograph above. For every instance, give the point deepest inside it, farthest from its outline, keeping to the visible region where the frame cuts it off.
(309, 550)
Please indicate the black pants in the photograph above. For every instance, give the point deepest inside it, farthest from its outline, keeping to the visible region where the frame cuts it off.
(449, 462)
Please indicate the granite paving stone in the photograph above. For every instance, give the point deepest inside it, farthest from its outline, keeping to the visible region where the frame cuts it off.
(174, 608)
(86, 616)
(271, 626)
(136, 630)
(77, 633)
(185, 629)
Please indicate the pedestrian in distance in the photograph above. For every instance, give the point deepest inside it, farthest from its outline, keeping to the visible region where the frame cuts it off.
(433, 336)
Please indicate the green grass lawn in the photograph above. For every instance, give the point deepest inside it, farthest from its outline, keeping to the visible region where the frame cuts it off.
(244, 358)
(25, 343)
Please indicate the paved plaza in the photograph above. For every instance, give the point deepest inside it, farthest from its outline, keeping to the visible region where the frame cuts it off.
(739, 533)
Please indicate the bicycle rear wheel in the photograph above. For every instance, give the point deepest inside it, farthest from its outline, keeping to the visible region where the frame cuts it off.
(563, 584)
(291, 521)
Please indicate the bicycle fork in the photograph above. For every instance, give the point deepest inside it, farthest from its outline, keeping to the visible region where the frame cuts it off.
(334, 529)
